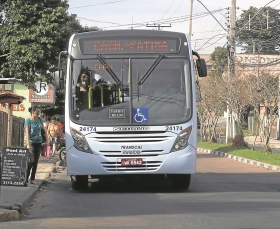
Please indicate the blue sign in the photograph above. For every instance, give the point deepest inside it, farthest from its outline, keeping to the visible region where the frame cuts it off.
(140, 115)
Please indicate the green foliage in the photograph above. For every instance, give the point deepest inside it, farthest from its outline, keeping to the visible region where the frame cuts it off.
(220, 59)
(244, 126)
(256, 119)
(266, 40)
(230, 140)
(33, 33)
(258, 155)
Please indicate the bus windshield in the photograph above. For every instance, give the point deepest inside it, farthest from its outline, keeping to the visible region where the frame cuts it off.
(108, 92)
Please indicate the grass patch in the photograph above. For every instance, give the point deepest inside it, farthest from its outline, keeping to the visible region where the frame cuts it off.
(257, 155)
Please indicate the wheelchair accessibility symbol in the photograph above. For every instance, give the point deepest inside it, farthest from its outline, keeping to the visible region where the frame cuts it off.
(140, 115)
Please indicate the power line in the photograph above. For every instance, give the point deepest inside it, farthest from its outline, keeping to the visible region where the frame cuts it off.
(99, 21)
(212, 43)
(168, 8)
(212, 15)
(256, 14)
(177, 8)
(174, 20)
(105, 3)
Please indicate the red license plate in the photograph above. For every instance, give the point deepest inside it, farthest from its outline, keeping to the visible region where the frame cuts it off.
(131, 162)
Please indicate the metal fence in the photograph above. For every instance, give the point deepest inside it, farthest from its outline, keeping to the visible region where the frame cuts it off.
(17, 130)
(3, 128)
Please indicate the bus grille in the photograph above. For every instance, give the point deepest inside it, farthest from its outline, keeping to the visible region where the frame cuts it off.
(152, 157)
(121, 137)
(144, 153)
(146, 166)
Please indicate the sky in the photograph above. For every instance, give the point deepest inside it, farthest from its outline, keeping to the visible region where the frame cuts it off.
(170, 15)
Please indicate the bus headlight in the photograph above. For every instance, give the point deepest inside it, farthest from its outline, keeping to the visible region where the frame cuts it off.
(182, 141)
(80, 142)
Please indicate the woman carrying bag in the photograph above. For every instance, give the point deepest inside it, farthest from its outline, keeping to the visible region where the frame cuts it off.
(34, 139)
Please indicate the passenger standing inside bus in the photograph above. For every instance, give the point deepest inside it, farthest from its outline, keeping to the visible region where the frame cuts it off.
(34, 139)
(54, 132)
(82, 93)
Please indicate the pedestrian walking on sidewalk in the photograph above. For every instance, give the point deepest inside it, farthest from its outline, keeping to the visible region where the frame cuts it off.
(34, 139)
(46, 148)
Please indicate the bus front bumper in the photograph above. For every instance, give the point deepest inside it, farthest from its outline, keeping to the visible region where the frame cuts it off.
(179, 162)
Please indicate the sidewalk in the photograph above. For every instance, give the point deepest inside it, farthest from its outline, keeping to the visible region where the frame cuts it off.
(13, 199)
(274, 144)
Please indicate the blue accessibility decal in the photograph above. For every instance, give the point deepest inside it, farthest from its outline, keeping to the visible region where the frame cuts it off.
(140, 115)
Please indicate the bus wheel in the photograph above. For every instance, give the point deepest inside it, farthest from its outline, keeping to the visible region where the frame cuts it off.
(180, 181)
(79, 182)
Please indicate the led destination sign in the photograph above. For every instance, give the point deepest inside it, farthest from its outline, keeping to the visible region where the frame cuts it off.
(118, 46)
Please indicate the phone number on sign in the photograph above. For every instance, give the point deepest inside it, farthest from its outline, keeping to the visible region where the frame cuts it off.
(16, 183)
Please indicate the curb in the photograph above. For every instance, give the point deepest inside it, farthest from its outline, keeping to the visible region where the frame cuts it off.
(8, 215)
(241, 159)
(18, 209)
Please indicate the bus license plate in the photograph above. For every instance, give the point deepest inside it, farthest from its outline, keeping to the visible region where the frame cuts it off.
(131, 162)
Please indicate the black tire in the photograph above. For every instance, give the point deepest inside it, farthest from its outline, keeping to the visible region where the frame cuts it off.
(180, 181)
(79, 182)
(62, 154)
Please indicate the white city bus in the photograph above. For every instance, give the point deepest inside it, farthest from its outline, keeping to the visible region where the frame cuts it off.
(130, 105)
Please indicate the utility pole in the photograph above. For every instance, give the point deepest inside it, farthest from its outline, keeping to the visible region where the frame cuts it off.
(267, 20)
(190, 25)
(232, 37)
(230, 130)
(158, 26)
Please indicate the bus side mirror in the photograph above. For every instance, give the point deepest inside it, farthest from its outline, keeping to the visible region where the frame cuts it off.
(59, 80)
(58, 76)
(201, 67)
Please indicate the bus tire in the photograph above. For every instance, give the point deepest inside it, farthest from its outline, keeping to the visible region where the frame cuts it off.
(79, 182)
(180, 181)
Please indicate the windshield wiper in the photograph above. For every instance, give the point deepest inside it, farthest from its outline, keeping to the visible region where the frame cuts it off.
(149, 71)
(109, 70)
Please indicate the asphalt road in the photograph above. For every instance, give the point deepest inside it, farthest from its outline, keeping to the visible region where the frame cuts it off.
(223, 194)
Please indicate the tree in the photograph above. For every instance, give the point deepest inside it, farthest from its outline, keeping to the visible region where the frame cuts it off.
(33, 34)
(211, 106)
(220, 60)
(263, 94)
(255, 34)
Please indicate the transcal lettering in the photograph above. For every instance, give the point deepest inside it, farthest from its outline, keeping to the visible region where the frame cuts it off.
(131, 147)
